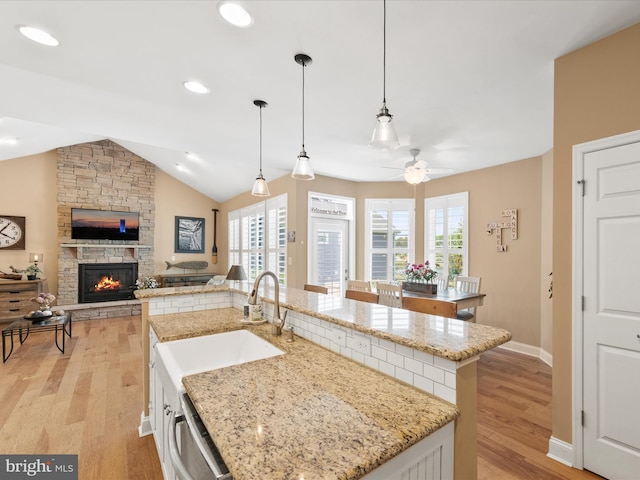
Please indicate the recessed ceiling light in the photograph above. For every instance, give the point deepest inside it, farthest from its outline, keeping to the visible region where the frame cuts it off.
(195, 87)
(38, 35)
(235, 14)
(8, 141)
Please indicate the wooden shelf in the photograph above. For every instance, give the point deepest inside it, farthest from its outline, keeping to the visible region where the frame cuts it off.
(80, 246)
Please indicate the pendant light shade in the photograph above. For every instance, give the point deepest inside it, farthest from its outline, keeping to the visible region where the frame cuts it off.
(303, 170)
(260, 188)
(384, 135)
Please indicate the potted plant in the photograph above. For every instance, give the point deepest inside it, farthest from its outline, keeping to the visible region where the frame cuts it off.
(419, 278)
(33, 271)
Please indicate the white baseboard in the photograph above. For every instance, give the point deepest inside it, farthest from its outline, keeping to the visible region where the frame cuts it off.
(145, 426)
(560, 451)
(525, 349)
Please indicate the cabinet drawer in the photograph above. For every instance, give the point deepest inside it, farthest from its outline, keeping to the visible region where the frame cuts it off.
(15, 310)
(16, 287)
(16, 295)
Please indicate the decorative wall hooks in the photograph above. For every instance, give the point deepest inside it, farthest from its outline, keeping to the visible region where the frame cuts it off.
(498, 226)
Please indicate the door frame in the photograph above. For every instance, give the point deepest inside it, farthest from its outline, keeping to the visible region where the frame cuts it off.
(577, 317)
(351, 227)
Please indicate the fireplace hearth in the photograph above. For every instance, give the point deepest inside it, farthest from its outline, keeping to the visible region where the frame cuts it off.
(106, 282)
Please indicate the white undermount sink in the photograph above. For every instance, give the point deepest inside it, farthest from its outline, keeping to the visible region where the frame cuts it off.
(180, 358)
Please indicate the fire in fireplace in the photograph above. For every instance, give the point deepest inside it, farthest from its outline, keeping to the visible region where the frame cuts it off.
(105, 282)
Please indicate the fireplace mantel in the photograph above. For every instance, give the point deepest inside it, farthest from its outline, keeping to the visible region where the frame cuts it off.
(80, 246)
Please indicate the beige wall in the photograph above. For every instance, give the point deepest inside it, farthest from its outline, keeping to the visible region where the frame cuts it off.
(597, 95)
(546, 254)
(29, 190)
(174, 198)
(510, 279)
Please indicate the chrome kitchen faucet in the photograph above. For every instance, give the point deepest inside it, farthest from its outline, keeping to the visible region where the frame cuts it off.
(277, 322)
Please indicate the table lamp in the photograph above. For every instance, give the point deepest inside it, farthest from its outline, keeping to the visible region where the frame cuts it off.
(236, 272)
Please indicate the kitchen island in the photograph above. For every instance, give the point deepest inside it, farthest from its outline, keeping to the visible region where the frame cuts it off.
(434, 354)
(309, 413)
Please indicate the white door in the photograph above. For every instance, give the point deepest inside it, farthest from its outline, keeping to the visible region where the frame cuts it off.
(329, 261)
(611, 312)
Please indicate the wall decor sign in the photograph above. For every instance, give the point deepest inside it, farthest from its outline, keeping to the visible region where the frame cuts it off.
(12, 232)
(189, 235)
(498, 226)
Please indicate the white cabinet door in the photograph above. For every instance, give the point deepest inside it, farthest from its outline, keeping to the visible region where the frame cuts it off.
(429, 459)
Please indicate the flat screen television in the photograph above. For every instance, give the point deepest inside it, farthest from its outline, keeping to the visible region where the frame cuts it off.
(89, 224)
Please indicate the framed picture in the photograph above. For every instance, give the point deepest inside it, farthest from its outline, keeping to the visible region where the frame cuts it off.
(189, 235)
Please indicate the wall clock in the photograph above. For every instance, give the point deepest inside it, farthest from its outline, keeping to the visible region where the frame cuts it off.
(12, 232)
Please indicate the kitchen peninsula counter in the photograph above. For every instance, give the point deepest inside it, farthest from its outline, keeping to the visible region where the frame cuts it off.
(443, 337)
(435, 354)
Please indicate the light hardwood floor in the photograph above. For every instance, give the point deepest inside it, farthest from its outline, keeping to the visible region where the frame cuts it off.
(514, 420)
(88, 400)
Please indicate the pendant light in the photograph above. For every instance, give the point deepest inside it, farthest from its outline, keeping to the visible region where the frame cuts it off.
(384, 135)
(302, 170)
(260, 188)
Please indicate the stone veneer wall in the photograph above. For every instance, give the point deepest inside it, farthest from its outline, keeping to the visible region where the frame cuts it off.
(103, 175)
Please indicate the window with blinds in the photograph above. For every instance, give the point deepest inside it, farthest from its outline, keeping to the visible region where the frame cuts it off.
(258, 238)
(389, 229)
(446, 234)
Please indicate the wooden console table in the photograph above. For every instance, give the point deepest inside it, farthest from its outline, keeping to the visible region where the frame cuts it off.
(184, 279)
(15, 297)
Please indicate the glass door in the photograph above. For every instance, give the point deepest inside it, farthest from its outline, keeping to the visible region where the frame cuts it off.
(329, 261)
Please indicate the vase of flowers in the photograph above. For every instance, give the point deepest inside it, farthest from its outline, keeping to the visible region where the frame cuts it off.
(420, 278)
(146, 282)
(44, 301)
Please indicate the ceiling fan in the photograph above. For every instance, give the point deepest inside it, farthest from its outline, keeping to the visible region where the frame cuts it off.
(416, 171)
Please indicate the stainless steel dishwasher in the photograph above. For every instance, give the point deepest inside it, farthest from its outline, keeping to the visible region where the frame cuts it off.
(193, 454)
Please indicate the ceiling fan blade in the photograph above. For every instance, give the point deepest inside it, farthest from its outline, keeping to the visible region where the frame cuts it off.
(421, 164)
(436, 171)
(393, 168)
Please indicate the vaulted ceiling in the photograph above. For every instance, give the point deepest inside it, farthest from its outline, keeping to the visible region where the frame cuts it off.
(470, 83)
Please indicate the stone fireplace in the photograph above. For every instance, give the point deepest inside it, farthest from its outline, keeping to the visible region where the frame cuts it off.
(105, 282)
(103, 176)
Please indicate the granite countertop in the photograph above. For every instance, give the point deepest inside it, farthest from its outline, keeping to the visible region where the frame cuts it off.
(448, 338)
(147, 293)
(309, 413)
(177, 326)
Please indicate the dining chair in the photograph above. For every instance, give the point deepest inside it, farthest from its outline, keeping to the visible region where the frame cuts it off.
(316, 288)
(443, 282)
(370, 297)
(389, 294)
(471, 285)
(359, 285)
(431, 306)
